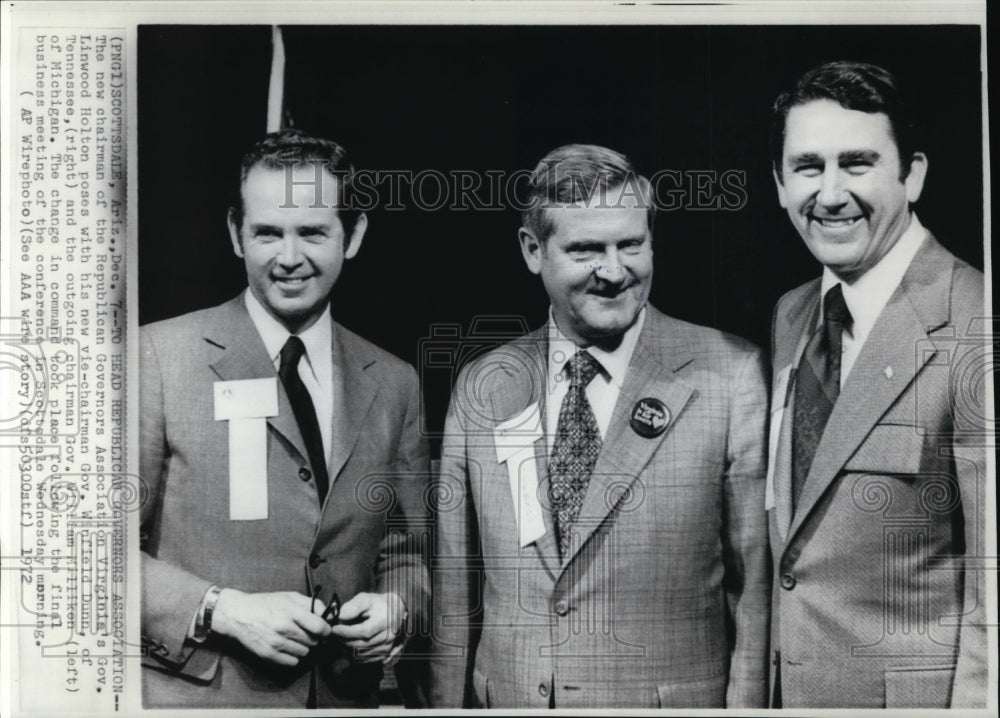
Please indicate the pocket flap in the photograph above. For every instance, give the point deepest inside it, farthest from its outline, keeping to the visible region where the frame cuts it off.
(703, 693)
(919, 687)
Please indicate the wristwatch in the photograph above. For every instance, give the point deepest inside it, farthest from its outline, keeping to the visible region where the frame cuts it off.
(204, 630)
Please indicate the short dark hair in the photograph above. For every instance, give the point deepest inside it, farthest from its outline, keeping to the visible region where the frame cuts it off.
(292, 148)
(576, 173)
(854, 86)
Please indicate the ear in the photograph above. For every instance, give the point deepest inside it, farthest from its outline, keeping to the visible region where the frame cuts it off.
(357, 234)
(531, 248)
(915, 180)
(234, 233)
(782, 196)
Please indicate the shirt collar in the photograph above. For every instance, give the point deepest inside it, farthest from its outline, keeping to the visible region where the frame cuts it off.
(614, 363)
(317, 339)
(869, 294)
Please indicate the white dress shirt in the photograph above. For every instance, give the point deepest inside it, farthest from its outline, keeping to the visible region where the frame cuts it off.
(602, 392)
(869, 294)
(316, 367)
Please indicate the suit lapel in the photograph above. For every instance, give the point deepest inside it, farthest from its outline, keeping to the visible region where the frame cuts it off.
(799, 323)
(919, 305)
(525, 383)
(244, 357)
(658, 354)
(356, 388)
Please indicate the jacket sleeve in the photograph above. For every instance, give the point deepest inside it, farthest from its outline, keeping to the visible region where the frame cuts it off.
(456, 613)
(969, 363)
(745, 543)
(402, 565)
(170, 595)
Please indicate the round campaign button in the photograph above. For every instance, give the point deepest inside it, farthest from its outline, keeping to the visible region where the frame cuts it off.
(649, 417)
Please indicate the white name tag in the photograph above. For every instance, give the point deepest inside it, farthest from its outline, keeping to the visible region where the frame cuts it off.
(515, 440)
(246, 404)
(246, 399)
(774, 435)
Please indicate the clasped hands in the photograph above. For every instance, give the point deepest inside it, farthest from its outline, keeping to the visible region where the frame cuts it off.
(284, 626)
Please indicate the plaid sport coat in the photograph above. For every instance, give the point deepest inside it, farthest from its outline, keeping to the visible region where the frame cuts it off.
(663, 600)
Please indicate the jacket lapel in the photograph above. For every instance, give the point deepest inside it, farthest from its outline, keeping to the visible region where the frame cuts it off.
(658, 354)
(521, 384)
(919, 305)
(244, 357)
(356, 388)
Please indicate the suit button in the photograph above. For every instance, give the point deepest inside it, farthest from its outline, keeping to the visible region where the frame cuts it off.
(562, 608)
(787, 581)
(305, 474)
(543, 690)
(315, 560)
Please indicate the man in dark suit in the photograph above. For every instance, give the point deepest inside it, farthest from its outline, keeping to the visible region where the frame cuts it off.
(601, 539)
(284, 466)
(877, 469)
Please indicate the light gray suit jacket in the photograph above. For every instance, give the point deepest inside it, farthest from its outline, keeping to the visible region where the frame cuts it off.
(664, 598)
(879, 594)
(365, 538)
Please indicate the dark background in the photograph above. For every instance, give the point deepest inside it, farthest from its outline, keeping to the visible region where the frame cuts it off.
(498, 98)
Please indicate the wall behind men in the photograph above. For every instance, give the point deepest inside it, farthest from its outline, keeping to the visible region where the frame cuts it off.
(694, 100)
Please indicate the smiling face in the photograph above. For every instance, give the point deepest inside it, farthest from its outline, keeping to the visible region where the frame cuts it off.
(841, 185)
(596, 265)
(293, 254)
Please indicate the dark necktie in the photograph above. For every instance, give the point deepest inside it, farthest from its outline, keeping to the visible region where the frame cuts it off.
(575, 450)
(817, 386)
(305, 413)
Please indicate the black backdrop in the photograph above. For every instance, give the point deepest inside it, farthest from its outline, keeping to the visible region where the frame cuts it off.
(498, 98)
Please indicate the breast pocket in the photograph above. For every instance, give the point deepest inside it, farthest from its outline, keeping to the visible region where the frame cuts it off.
(889, 449)
(895, 472)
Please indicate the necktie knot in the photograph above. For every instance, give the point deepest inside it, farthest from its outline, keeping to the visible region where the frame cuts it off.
(582, 368)
(835, 309)
(290, 355)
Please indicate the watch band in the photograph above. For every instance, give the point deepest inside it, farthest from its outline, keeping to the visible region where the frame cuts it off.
(211, 598)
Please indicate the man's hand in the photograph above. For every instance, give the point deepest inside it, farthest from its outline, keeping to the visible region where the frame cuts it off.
(370, 624)
(279, 627)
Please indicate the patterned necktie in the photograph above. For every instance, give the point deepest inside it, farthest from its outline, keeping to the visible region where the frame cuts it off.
(575, 450)
(817, 386)
(305, 413)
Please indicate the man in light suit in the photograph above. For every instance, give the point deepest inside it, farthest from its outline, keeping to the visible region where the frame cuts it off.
(284, 466)
(601, 539)
(878, 471)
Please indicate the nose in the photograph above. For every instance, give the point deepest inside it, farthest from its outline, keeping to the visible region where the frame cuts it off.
(832, 194)
(290, 255)
(609, 268)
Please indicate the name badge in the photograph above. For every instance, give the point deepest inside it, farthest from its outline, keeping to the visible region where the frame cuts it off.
(246, 404)
(778, 403)
(515, 444)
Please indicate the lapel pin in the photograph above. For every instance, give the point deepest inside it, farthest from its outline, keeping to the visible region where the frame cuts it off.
(649, 417)
(888, 372)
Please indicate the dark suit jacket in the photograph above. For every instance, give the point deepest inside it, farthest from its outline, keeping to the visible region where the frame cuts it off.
(879, 596)
(365, 539)
(665, 600)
